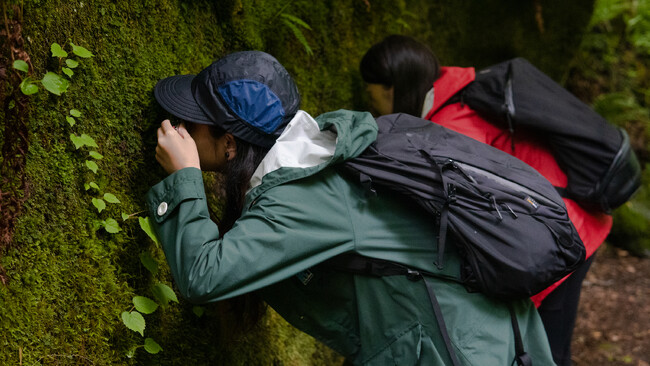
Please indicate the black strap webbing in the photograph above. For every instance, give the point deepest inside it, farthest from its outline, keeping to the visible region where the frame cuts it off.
(358, 264)
(441, 322)
(521, 357)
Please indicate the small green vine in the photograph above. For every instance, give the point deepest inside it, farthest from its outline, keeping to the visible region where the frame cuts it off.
(57, 84)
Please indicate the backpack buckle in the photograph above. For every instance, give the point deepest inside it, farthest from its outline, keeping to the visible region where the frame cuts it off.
(413, 275)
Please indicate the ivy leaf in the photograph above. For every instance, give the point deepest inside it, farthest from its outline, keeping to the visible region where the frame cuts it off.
(144, 304)
(21, 65)
(75, 113)
(163, 293)
(88, 141)
(198, 311)
(95, 155)
(134, 321)
(71, 63)
(99, 204)
(145, 225)
(57, 51)
(76, 140)
(112, 226)
(71, 121)
(92, 166)
(90, 185)
(149, 262)
(109, 197)
(83, 140)
(151, 346)
(81, 51)
(67, 71)
(55, 83)
(28, 87)
(125, 216)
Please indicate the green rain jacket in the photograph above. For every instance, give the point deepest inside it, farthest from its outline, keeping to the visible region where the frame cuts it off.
(299, 212)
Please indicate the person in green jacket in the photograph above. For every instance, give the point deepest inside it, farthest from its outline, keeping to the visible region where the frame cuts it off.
(290, 209)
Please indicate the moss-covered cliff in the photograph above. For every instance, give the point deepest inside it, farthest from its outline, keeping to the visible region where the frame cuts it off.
(65, 278)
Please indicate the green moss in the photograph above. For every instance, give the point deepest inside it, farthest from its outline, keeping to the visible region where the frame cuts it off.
(69, 280)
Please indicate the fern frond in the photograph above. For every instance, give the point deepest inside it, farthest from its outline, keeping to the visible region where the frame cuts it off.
(295, 19)
(298, 33)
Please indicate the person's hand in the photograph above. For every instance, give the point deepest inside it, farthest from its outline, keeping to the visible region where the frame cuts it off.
(176, 149)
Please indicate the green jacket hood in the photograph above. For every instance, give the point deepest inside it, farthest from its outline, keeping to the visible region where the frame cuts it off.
(309, 145)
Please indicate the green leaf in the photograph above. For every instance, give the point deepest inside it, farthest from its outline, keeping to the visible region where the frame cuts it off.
(298, 34)
(76, 140)
(295, 19)
(149, 262)
(134, 321)
(144, 304)
(81, 51)
(131, 352)
(112, 226)
(90, 185)
(21, 65)
(99, 204)
(55, 83)
(95, 155)
(109, 197)
(125, 216)
(57, 51)
(163, 293)
(145, 225)
(71, 63)
(151, 346)
(75, 113)
(28, 87)
(92, 166)
(67, 71)
(88, 141)
(198, 311)
(70, 120)
(83, 140)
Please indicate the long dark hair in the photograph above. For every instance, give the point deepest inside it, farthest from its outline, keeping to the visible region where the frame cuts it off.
(405, 64)
(238, 173)
(249, 308)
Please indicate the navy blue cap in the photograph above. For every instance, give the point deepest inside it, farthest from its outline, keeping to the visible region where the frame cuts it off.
(249, 94)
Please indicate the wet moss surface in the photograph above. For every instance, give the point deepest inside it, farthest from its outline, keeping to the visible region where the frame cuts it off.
(68, 279)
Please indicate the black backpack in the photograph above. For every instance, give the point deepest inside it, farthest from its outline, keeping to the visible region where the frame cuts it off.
(602, 169)
(509, 222)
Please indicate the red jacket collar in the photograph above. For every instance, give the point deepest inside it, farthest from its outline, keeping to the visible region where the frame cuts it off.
(451, 80)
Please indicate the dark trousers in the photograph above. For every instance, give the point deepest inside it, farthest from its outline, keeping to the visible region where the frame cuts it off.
(558, 311)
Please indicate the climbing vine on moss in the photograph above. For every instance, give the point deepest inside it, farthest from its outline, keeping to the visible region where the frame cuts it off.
(55, 83)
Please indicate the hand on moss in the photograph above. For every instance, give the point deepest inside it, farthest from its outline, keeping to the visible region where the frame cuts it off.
(176, 149)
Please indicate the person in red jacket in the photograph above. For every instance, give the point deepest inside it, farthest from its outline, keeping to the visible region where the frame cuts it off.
(403, 75)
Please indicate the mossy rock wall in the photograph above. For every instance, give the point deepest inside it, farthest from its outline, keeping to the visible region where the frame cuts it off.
(66, 279)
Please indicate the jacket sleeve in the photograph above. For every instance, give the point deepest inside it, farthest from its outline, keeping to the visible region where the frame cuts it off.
(281, 235)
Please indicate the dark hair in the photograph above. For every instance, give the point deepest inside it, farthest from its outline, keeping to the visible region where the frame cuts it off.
(249, 308)
(405, 64)
(238, 173)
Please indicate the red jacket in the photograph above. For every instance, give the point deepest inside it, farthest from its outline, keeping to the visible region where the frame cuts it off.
(593, 227)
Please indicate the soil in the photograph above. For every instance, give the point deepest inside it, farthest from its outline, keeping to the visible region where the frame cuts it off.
(613, 324)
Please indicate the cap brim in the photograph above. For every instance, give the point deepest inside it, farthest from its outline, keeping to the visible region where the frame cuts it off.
(174, 94)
